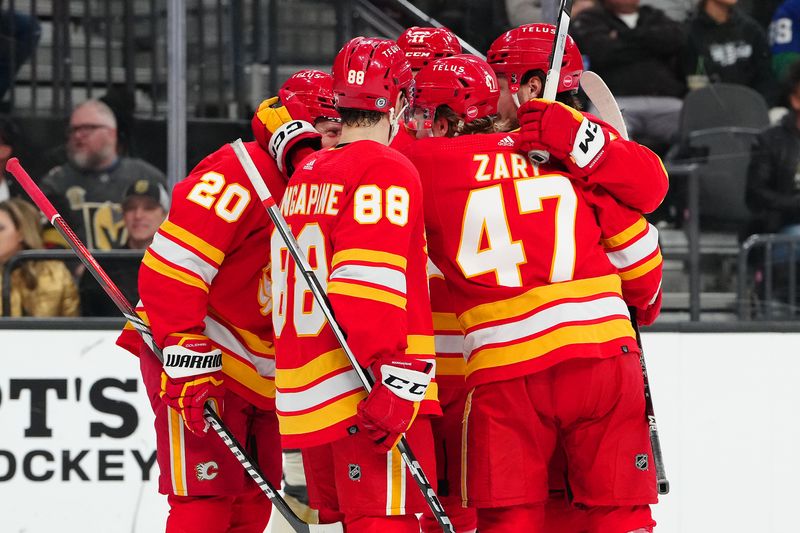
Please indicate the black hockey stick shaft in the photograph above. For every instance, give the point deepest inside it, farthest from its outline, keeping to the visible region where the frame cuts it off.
(322, 299)
(554, 72)
(13, 166)
(655, 441)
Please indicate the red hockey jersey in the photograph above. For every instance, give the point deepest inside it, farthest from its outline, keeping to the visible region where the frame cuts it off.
(207, 270)
(447, 334)
(356, 211)
(521, 250)
(632, 173)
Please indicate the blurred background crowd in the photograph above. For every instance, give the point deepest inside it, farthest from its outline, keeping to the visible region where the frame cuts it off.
(712, 86)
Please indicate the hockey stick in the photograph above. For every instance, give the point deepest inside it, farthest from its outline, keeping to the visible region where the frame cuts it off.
(600, 95)
(655, 442)
(322, 299)
(13, 166)
(554, 73)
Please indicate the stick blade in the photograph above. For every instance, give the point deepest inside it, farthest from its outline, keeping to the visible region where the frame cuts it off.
(602, 98)
(280, 524)
(336, 527)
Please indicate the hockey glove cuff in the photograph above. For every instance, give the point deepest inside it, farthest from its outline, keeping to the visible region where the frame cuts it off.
(192, 376)
(393, 404)
(281, 126)
(576, 141)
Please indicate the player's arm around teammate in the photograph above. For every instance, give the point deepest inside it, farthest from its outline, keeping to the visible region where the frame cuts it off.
(592, 150)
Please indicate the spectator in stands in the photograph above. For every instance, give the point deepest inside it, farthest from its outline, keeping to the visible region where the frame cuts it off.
(88, 189)
(8, 140)
(637, 50)
(761, 10)
(727, 45)
(773, 183)
(19, 35)
(144, 208)
(41, 288)
(677, 10)
(529, 11)
(784, 37)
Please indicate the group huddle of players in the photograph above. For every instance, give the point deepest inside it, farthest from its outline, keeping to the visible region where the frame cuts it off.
(488, 296)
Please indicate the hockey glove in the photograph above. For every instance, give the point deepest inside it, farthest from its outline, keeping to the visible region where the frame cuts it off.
(392, 405)
(570, 137)
(192, 376)
(282, 125)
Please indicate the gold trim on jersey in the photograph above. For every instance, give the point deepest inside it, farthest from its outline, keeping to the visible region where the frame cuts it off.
(367, 293)
(177, 458)
(566, 335)
(322, 365)
(368, 256)
(247, 376)
(420, 345)
(627, 234)
(642, 269)
(538, 296)
(322, 417)
(185, 236)
(451, 366)
(165, 270)
(446, 321)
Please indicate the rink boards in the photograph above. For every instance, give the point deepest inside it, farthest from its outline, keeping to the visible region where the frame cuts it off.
(77, 445)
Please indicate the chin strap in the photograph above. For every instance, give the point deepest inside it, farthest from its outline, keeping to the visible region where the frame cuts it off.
(515, 97)
(394, 121)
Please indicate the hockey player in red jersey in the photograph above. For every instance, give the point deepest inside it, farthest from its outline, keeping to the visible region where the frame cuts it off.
(205, 292)
(421, 45)
(630, 172)
(314, 89)
(548, 333)
(356, 211)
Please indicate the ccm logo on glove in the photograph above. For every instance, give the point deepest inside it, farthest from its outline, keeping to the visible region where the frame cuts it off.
(406, 383)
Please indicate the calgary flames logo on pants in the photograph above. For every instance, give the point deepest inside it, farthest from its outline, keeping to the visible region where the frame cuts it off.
(206, 471)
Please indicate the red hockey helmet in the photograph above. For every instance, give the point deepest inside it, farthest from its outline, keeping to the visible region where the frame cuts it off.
(314, 89)
(423, 45)
(528, 48)
(464, 83)
(369, 73)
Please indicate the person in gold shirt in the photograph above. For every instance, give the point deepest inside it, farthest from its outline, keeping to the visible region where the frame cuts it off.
(42, 288)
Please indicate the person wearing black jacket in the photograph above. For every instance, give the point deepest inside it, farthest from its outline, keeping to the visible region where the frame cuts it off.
(637, 51)
(727, 45)
(773, 180)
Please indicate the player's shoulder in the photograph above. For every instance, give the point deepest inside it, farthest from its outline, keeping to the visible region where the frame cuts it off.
(438, 147)
(224, 162)
(369, 156)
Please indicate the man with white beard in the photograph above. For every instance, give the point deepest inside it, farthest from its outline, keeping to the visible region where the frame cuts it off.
(89, 188)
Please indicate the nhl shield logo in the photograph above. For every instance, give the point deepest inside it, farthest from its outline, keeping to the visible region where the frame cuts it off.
(354, 472)
(642, 462)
